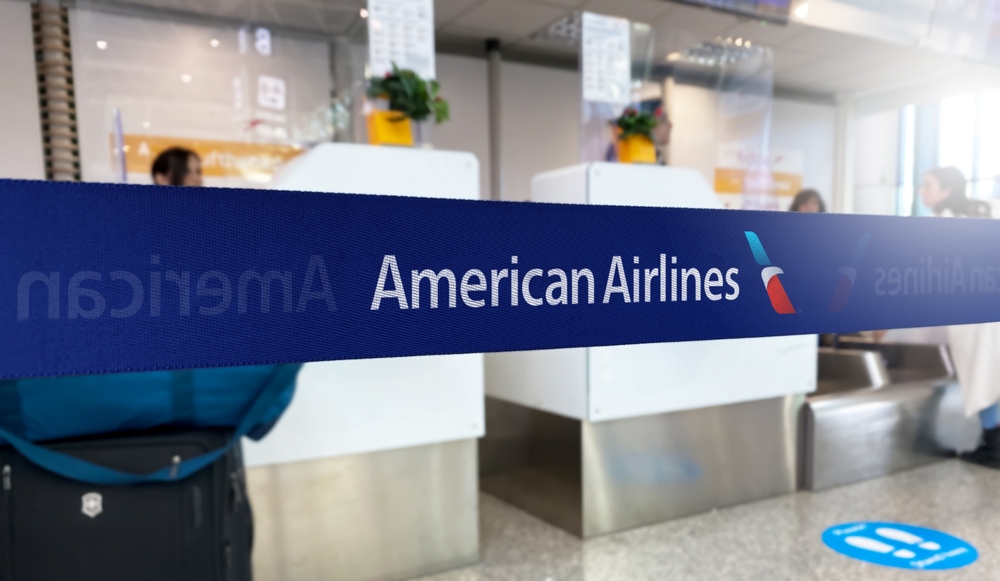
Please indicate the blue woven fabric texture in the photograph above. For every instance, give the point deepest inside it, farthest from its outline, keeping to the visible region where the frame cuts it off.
(99, 278)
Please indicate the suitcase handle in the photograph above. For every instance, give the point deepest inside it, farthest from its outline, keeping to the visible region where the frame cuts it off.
(83, 471)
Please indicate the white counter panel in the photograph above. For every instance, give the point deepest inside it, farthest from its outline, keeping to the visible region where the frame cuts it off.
(619, 184)
(553, 380)
(347, 168)
(351, 407)
(636, 380)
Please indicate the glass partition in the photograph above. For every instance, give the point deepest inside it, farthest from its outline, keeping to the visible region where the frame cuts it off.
(711, 103)
(245, 99)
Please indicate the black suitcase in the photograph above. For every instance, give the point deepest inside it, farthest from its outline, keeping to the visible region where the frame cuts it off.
(196, 529)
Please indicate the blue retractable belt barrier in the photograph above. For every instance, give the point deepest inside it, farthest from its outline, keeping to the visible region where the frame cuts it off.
(99, 278)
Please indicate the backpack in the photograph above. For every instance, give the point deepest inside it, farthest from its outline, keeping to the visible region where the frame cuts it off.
(248, 400)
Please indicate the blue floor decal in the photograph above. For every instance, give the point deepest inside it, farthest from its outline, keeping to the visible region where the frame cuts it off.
(900, 545)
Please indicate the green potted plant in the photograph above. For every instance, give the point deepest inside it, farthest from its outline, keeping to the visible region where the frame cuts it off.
(411, 100)
(634, 136)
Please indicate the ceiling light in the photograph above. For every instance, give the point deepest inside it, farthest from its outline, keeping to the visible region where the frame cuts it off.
(145, 124)
(186, 78)
(715, 54)
(566, 31)
(739, 42)
(102, 44)
(802, 10)
(214, 42)
(364, 13)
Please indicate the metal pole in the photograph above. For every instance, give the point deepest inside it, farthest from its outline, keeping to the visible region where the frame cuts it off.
(843, 156)
(496, 157)
(56, 95)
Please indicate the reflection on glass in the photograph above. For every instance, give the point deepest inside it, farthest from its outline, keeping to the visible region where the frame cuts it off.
(246, 107)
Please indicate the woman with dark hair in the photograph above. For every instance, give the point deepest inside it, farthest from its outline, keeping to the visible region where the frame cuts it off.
(973, 347)
(177, 167)
(808, 201)
(943, 191)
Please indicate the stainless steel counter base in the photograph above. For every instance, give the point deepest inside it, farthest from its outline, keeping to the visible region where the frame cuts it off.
(381, 516)
(595, 478)
(857, 435)
(881, 408)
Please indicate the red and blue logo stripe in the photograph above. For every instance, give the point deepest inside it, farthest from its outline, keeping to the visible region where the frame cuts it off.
(775, 291)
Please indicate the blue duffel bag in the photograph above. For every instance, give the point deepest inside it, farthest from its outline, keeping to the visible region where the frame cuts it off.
(248, 400)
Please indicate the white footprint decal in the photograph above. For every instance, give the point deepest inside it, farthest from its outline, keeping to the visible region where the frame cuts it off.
(880, 547)
(869, 544)
(905, 537)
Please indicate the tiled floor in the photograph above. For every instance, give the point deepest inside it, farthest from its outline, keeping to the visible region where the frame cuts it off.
(772, 540)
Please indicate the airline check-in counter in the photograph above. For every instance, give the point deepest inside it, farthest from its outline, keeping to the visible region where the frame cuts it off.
(601, 439)
(371, 472)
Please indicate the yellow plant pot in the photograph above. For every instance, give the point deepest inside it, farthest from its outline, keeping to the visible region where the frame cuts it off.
(386, 128)
(636, 149)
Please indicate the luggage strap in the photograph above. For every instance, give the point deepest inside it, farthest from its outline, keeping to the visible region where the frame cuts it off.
(83, 471)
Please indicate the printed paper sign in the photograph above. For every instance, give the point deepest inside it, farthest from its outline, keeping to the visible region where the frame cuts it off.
(606, 59)
(401, 32)
(271, 92)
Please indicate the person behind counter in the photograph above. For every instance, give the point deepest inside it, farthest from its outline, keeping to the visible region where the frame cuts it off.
(973, 347)
(808, 201)
(177, 166)
(662, 131)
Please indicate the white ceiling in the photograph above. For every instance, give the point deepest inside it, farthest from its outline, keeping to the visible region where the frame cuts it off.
(808, 60)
